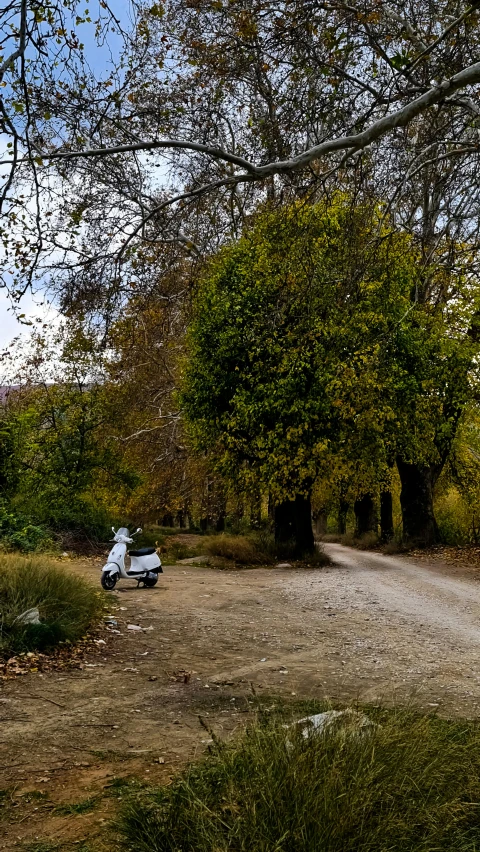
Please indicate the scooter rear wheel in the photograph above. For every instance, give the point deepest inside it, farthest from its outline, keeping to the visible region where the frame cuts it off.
(150, 582)
(108, 581)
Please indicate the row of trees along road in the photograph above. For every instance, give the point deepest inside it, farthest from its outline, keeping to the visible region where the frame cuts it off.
(131, 170)
(309, 344)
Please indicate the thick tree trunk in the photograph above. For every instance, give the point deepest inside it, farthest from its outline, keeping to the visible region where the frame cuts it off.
(416, 499)
(293, 524)
(365, 515)
(342, 517)
(386, 516)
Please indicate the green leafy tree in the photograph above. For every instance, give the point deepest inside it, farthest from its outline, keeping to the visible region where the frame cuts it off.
(308, 342)
(65, 425)
(286, 349)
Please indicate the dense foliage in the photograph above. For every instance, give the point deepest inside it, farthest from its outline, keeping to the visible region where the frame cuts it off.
(285, 344)
(312, 365)
(312, 356)
(17, 532)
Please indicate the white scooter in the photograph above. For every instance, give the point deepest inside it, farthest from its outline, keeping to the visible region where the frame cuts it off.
(145, 565)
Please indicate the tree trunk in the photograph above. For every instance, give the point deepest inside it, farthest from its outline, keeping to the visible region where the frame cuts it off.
(293, 525)
(365, 515)
(416, 499)
(221, 511)
(256, 511)
(386, 516)
(342, 516)
(320, 521)
(271, 507)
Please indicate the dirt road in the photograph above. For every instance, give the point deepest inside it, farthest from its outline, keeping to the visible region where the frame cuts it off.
(369, 627)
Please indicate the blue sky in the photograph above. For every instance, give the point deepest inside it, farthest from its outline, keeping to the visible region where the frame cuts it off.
(31, 306)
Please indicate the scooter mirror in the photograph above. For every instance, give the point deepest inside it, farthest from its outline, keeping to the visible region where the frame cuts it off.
(139, 530)
(113, 529)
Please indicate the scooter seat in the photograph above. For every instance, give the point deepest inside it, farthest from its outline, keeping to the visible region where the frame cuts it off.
(144, 551)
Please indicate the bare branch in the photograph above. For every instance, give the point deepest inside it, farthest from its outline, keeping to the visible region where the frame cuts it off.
(400, 118)
(405, 23)
(431, 47)
(10, 60)
(130, 147)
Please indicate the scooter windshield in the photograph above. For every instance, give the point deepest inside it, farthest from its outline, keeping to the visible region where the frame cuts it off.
(123, 531)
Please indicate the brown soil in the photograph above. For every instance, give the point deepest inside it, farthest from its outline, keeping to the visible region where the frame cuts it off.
(370, 627)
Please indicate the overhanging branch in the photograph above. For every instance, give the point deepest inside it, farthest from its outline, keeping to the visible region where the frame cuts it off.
(356, 142)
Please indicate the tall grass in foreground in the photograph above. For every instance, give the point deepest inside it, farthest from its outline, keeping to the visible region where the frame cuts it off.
(411, 784)
(67, 604)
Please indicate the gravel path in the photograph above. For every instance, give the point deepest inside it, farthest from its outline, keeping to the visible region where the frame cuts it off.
(403, 626)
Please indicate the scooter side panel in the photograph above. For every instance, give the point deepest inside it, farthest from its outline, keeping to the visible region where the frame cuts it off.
(145, 563)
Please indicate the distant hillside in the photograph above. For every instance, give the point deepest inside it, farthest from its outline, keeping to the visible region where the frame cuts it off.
(5, 390)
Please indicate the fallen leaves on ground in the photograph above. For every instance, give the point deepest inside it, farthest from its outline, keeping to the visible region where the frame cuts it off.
(466, 556)
(65, 656)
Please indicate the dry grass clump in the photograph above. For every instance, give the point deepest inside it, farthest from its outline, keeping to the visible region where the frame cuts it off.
(67, 605)
(236, 548)
(259, 548)
(408, 783)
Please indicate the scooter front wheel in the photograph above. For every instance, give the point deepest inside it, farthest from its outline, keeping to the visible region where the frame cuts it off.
(109, 581)
(150, 582)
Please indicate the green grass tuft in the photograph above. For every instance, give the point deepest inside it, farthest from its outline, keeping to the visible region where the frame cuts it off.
(83, 807)
(410, 784)
(68, 605)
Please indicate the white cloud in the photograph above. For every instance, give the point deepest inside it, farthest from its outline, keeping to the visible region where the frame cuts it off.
(36, 311)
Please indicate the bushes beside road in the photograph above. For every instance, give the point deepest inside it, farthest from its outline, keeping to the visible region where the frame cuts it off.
(257, 548)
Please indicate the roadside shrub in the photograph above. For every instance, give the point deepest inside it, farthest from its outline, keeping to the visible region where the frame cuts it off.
(178, 550)
(455, 519)
(18, 533)
(411, 783)
(68, 605)
(79, 518)
(367, 541)
(258, 548)
(236, 548)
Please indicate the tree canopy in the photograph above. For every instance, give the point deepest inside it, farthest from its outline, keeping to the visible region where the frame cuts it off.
(308, 344)
(286, 341)
(199, 109)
